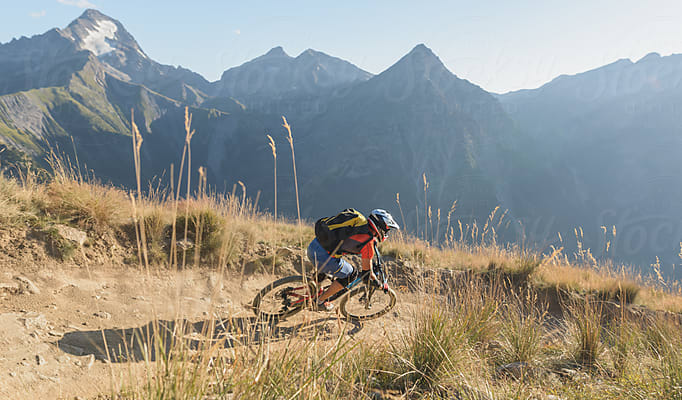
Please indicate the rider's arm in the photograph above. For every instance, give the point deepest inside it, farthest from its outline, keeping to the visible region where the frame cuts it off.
(367, 254)
(367, 266)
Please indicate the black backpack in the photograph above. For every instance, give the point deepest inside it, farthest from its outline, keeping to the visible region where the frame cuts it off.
(332, 231)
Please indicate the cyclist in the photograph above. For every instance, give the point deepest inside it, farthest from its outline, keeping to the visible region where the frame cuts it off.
(364, 243)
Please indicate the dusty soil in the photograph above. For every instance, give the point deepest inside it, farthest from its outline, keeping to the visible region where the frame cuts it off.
(52, 333)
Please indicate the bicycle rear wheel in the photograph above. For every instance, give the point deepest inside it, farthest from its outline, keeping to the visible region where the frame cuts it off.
(367, 302)
(283, 297)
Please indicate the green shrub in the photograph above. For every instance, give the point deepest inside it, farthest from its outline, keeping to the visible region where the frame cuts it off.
(205, 229)
(157, 234)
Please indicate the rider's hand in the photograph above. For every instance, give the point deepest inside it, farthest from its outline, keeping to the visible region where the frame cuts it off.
(373, 276)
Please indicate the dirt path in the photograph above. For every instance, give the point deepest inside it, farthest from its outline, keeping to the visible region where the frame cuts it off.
(53, 334)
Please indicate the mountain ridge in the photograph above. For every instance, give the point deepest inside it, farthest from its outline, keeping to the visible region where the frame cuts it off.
(276, 75)
(610, 136)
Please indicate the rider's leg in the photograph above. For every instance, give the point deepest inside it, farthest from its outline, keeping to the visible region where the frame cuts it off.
(339, 268)
(331, 290)
(341, 279)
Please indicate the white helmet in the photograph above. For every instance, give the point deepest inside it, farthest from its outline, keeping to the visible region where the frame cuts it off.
(382, 221)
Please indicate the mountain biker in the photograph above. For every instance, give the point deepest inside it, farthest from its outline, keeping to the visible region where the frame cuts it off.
(379, 223)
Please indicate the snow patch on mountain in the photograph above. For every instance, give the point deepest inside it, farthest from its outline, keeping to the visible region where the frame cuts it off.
(96, 41)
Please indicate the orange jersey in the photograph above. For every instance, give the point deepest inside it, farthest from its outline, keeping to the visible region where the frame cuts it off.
(354, 245)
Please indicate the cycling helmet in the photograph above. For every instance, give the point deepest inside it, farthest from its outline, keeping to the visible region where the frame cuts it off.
(381, 222)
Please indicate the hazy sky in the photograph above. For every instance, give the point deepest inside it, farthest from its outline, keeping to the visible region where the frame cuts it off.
(499, 45)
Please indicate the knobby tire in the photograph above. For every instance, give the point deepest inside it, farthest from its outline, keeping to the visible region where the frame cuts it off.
(281, 291)
(354, 296)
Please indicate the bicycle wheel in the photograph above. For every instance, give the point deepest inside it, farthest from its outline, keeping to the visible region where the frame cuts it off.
(364, 303)
(283, 297)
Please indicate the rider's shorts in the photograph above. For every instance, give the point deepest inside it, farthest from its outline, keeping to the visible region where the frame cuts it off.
(335, 266)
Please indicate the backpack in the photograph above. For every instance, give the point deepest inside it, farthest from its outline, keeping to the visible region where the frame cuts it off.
(332, 231)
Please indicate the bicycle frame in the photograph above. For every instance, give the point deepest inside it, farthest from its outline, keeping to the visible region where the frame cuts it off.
(378, 271)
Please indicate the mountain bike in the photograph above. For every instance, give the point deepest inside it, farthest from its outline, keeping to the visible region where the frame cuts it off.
(361, 300)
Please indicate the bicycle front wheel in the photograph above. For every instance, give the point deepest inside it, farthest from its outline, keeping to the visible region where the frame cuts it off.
(363, 303)
(283, 297)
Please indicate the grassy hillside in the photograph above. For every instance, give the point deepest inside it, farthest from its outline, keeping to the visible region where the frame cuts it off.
(487, 322)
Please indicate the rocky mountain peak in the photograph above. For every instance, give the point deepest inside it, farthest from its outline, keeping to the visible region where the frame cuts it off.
(419, 64)
(277, 51)
(423, 55)
(102, 35)
(94, 15)
(422, 50)
(276, 74)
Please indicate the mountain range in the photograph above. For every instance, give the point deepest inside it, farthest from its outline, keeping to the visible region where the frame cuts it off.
(608, 142)
(594, 150)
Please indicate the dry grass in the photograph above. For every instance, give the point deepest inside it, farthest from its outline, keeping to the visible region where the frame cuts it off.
(454, 349)
(584, 331)
(457, 257)
(458, 339)
(233, 225)
(21, 198)
(522, 330)
(659, 299)
(87, 205)
(11, 203)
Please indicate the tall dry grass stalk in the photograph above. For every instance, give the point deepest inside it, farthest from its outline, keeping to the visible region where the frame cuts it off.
(243, 202)
(397, 200)
(137, 145)
(431, 226)
(188, 142)
(75, 156)
(452, 210)
(186, 153)
(298, 205)
(199, 225)
(438, 229)
(188, 137)
(293, 160)
(416, 214)
(426, 186)
(274, 158)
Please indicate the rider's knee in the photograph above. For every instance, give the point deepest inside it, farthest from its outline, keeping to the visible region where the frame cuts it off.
(348, 278)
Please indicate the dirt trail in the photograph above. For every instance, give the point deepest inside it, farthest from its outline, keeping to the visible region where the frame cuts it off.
(51, 335)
